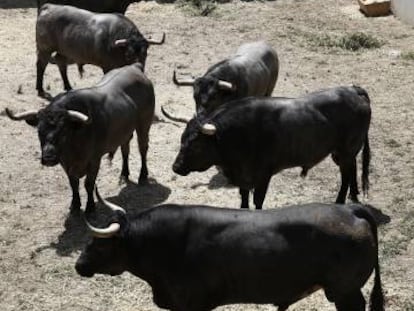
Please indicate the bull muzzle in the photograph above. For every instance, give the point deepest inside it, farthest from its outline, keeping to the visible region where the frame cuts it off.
(49, 155)
(82, 269)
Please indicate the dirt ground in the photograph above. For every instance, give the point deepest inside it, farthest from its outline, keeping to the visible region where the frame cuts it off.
(40, 241)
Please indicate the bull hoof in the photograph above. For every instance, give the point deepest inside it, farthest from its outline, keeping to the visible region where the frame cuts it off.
(123, 180)
(75, 206)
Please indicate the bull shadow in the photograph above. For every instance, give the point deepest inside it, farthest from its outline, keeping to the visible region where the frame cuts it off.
(132, 198)
(216, 182)
(17, 4)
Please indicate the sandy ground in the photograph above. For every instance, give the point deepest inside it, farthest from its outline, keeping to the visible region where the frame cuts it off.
(40, 241)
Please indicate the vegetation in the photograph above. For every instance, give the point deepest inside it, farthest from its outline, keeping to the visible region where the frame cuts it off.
(408, 55)
(351, 42)
(198, 7)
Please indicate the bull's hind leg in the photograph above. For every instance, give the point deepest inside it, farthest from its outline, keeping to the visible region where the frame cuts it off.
(76, 202)
(353, 188)
(62, 63)
(125, 166)
(260, 192)
(143, 139)
(41, 63)
(351, 302)
(90, 183)
(244, 194)
(345, 179)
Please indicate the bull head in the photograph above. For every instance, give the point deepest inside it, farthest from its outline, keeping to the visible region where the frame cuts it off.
(113, 228)
(223, 85)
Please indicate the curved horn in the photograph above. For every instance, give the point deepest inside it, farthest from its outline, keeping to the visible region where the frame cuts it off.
(155, 42)
(113, 228)
(176, 119)
(188, 82)
(78, 116)
(112, 206)
(208, 129)
(225, 85)
(121, 42)
(21, 116)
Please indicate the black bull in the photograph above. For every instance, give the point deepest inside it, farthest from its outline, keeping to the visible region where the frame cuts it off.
(251, 71)
(254, 138)
(196, 258)
(78, 127)
(79, 36)
(100, 6)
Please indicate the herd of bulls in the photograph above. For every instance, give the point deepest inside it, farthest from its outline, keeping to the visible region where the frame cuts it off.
(196, 258)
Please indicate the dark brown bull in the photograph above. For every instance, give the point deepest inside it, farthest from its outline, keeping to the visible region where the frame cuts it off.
(79, 36)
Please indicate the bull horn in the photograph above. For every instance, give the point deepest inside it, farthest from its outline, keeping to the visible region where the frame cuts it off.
(155, 42)
(113, 228)
(78, 116)
(208, 129)
(106, 203)
(225, 85)
(188, 82)
(121, 42)
(21, 116)
(176, 119)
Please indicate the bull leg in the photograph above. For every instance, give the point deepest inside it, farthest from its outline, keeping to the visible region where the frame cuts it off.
(62, 63)
(353, 188)
(125, 166)
(244, 198)
(352, 302)
(142, 136)
(42, 61)
(345, 178)
(76, 202)
(90, 184)
(260, 193)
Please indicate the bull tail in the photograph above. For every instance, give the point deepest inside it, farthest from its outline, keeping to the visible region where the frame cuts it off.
(366, 159)
(377, 296)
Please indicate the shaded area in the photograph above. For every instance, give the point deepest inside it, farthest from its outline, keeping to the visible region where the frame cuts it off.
(132, 198)
(17, 4)
(216, 182)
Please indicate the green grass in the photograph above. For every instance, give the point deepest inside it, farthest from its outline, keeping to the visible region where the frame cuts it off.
(408, 55)
(351, 42)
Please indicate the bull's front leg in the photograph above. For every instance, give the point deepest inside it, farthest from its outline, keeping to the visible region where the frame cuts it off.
(90, 184)
(244, 193)
(76, 202)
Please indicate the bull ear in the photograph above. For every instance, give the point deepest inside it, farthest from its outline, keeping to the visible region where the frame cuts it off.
(33, 121)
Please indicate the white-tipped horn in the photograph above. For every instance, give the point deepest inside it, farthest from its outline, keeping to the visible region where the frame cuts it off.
(208, 129)
(104, 233)
(225, 85)
(187, 82)
(78, 116)
(113, 228)
(121, 42)
(21, 116)
(112, 206)
(176, 119)
(156, 42)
